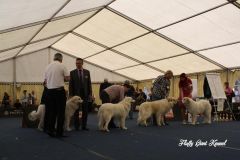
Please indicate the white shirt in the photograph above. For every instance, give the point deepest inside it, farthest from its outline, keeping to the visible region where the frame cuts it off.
(54, 75)
(24, 99)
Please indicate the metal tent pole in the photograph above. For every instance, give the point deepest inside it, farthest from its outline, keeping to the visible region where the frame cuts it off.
(14, 80)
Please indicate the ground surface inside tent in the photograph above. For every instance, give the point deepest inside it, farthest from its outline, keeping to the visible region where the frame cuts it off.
(139, 143)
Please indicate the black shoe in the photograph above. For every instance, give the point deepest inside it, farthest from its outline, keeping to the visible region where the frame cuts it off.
(113, 126)
(51, 134)
(61, 136)
(85, 129)
(167, 124)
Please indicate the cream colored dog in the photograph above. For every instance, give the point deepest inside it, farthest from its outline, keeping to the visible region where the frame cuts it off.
(159, 108)
(109, 110)
(71, 106)
(199, 107)
(39, 114)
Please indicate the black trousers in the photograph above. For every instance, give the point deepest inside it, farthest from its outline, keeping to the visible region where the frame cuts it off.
(55, 110)
(84, 109)
(105, 99)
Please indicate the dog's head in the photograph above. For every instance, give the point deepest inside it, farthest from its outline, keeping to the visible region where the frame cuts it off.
(76, 100)
(127, 101)
(186, 101)
(32, 116)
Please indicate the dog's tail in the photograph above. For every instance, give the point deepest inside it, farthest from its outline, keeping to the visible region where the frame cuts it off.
(99, 112)
(32, 116)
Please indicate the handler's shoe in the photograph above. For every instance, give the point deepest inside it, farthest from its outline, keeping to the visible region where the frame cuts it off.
(184, 122)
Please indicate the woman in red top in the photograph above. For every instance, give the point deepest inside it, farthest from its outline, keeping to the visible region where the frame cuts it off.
(185, 90)
(229, 92)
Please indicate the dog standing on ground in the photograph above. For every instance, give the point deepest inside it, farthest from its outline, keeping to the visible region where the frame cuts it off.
(71, 106)
(109, 110)
(159, 108)
(200, 107)
(39, 114)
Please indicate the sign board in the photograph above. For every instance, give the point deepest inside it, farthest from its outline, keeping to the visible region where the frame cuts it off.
(215, 85)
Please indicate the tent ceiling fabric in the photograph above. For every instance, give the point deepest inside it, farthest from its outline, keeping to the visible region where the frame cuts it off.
(80, 5)
(9, 54)
(109, 29)
(149, 48)
(158, 13)
(62, 25)
(17, 37)
(39, 45)
(111, 60)
(126, 36)
(77, 46)
(184, 63)
(214, 28)
(16, 13)
(140, 72)
(228, 56)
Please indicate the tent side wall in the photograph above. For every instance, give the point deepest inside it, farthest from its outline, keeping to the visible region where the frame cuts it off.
(6, 71)
(174, 91)
(30, 73)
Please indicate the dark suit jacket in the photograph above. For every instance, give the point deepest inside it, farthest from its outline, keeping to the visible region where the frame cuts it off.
(80, 88)
(103, 86)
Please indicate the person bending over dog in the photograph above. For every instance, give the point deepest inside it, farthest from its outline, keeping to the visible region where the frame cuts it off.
(114, 94)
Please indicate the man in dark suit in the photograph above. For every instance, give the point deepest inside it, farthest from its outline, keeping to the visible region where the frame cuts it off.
(80, 85)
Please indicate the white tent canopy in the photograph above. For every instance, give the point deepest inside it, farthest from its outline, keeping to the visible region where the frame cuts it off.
(118, 39)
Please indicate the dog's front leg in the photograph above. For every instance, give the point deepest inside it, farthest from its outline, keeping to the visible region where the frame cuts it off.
(162, 120)
(122, 123)
(107, 120)
(194, 119)
(158, 118)
(67, 123)
(207, 118)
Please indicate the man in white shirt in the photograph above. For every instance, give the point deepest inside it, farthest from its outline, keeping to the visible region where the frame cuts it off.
(55, 74)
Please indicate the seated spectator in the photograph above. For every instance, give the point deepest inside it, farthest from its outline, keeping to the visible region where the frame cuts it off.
(17, 104)
(6, 100)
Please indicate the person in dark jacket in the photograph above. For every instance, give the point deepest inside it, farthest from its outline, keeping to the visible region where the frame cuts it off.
(103, 86)
(80, 85)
